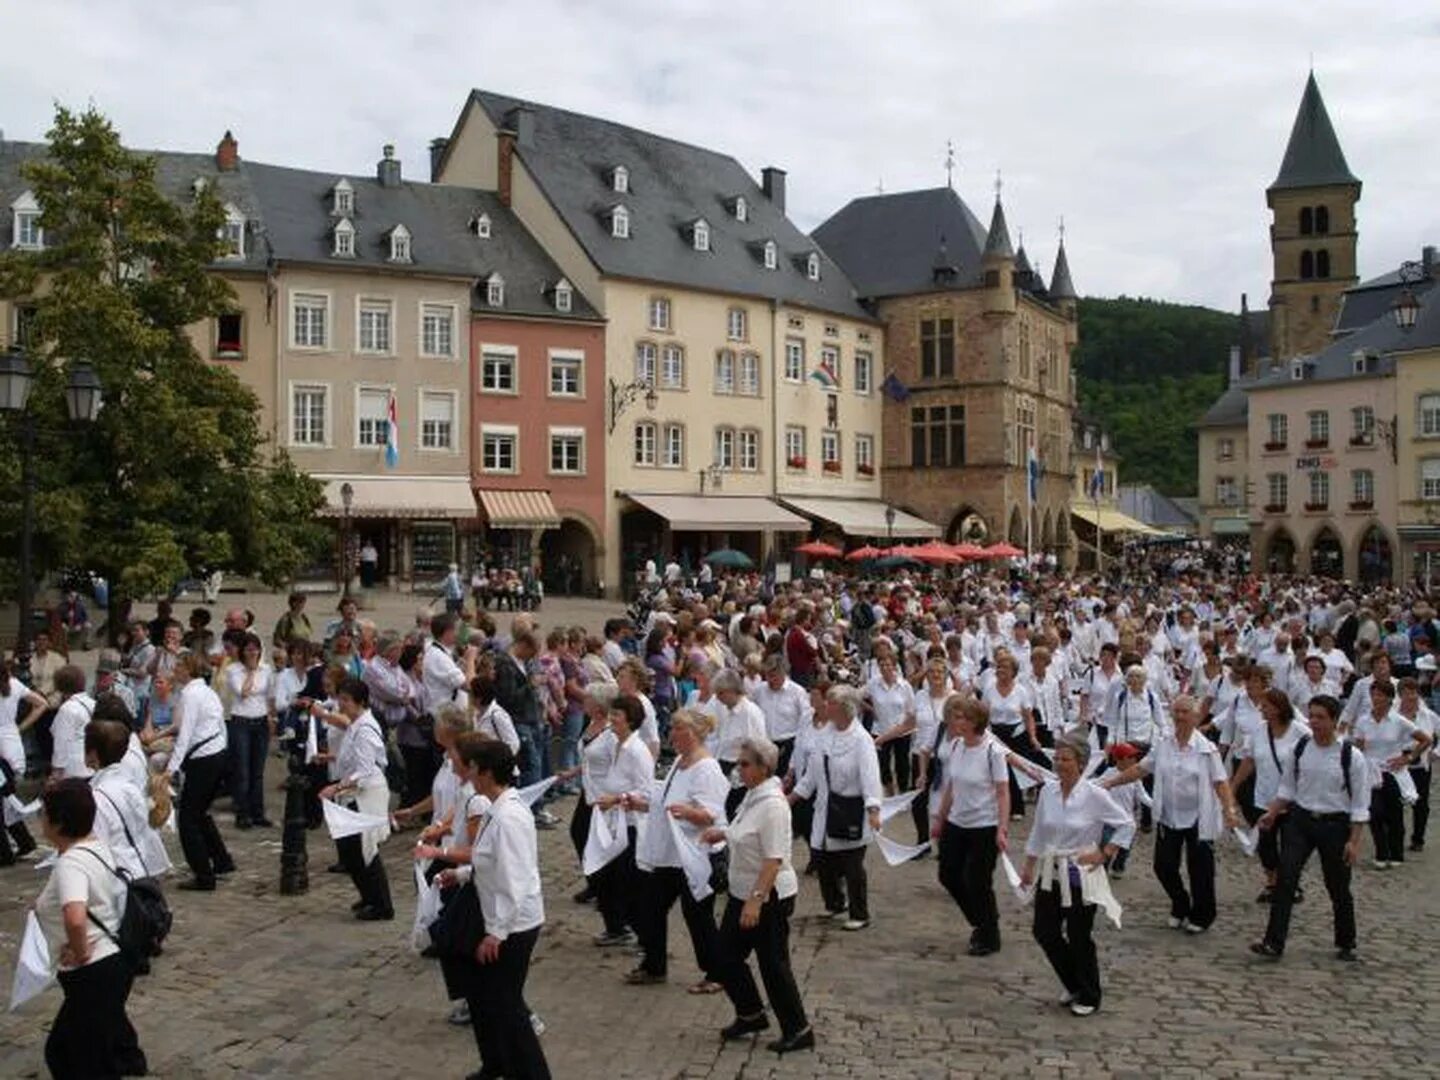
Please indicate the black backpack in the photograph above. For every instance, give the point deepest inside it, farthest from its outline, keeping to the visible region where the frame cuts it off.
(1346, 750)
(146, 920)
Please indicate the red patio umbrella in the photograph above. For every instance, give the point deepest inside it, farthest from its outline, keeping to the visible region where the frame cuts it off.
(935, 552)
(818, 549)
(1003, 550)
(862, 553)
(968, 551)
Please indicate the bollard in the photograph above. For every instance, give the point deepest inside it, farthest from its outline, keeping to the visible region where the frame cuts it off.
(294, 875)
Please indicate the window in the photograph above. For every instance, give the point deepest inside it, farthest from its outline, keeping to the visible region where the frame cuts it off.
(750, 374)
(1226, 493)
(25, 325)
(645, 443)
(480, 225)
(28, 233)
(372, 416)
(812, 266)
(1322, 263)
(1307, 221)
(344, 240)
(1224, 448)
(1319, 421)
(1024, 350)
(495, 290)
(620, 179)
(620, 223)
(437, 420)
(645, 354)
(794, 360)
(567, 451)
(1430, 479)
(772, 255)
(1024, 426)
(937, 436)
(830, 361)
(566, 374)
(343, 196)
(230, 336)
(736, 324)
(564, 297)
(1362, 487)
(937, 348)
(672, 449)
(437, 330)
(672, 367)
(1430, 415)
(1319, 491)
(1278, 485)
(232, 233)
(829, 451)
(1322, 220)
(865, 455)
(400, 244)
(310, 321)
(498, 374)
(660, 313)
(795, 447)
(725, 372)
(374, 330)
(1279, 428)
(1362, 424)
(1307, 264)
(748, 441)
(499, 450)
(742, 209)
(309, 421)
(863, 372)
(725, 447)
(700, 235)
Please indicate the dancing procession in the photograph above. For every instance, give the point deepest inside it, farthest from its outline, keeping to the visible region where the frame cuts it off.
(548, 612)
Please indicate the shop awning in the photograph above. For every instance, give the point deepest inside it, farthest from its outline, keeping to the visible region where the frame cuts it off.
(518, 509)
(721, 513)
(1112, 521)
(418, 497)
(864, 517)
(1231, 526)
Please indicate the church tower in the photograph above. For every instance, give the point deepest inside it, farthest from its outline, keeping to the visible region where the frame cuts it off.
(1312, 232)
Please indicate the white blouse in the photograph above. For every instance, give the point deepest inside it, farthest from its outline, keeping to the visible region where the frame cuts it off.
(1006, 709)
(786, 710)
(846, 763)
(702, 785)
(761, 831)
(929, 718)
(1075, 823)
(256, 704)
(971, 773)
(733, 726)
(631, 772)
(892, 702)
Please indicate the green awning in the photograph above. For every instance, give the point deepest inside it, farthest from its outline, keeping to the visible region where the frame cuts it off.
(1231, 526)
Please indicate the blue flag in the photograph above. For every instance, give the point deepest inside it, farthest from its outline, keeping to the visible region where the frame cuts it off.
(894, 389)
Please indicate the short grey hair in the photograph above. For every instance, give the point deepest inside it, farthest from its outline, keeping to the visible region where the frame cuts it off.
(765, 752)
(1077, 745)
(848, 698)
(773, 663)
(452, 718)
(727, 680)
(602, 693)
(1136, 669)
(388, 640)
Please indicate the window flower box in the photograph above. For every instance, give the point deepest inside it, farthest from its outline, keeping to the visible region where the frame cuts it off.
(1362, 504)
(1275, 446)
(795, 463)
(1275, 508)
(1315, 508)
(865, 470)
(831, 467)
(1317, 444)
(1362, 440)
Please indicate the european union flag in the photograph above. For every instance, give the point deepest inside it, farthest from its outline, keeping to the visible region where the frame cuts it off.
(894, 389)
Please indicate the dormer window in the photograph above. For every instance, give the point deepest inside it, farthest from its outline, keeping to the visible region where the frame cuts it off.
(28, 233)
(741, 208)
(480, 226)
(233, 233)
(344, 240)
(772, 255)
(400, 244)
(564, 296)
(620, 179)
(700, 235)
(812, 266)
(495, 290)
(197, 187)
(620, 223)
(342, 199)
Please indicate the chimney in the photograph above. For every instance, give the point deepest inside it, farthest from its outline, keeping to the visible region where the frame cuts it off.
(1234, 365)
(505, 164)
(1427, 259)
(772, 183)
(388, 169)
(227, 153)
(521, 121)
(437, 151)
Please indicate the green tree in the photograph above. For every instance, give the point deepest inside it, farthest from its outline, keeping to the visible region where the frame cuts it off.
(175, 475)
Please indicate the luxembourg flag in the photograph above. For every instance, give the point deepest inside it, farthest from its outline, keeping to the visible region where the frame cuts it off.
(1032, 472)
(392, 435)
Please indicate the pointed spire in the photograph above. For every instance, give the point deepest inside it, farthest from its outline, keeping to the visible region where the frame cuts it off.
(1313, 157)
(1061, 287)
(997, 240)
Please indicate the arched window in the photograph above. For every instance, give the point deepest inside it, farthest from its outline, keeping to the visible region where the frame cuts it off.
(1307, 264)
(1322, 220)
(1322, 263)
(1307, 221)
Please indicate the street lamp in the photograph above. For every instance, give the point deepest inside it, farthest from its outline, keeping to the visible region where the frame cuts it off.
(889, 526)
(1406, 308)
(347, 499)
(622, 397)
(714, 473)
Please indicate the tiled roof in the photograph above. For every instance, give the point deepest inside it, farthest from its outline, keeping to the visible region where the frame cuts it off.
(1313, 157)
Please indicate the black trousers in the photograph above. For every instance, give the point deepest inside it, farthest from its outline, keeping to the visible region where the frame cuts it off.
(1421, 809)
(92, 1036)
(421, 765)
(1065, 935)
(1387, 821)
(787, 751)
(370, 880)
(199, 838)
(615, 889)
(580, 825)
(802, 817)
(920, 808)
(1268, 847)
(658, 890)
(1019, 742)
(1306, 832)
(1198, 904)
(967, 871)
(895, 763)
(843, 881)
(769, 939)
(499, 1016)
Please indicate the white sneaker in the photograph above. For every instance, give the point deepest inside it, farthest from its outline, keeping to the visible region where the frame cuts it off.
(1191, 928)
(841, 916)
(1081, 1010)
(1067, 999)
(460, 1014)
(1176, 924)
(1381, 864)
(855, 924)
(537, 1023)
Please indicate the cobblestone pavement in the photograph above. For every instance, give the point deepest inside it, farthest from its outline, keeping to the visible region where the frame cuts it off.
(256, 984)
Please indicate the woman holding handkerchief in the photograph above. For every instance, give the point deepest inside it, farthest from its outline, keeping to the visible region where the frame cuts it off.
(361, 766)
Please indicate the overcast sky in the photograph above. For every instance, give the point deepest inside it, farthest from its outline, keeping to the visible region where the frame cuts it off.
(1153, 127)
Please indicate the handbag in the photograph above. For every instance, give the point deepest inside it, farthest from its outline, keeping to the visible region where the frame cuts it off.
(844, 814)
(460, 926)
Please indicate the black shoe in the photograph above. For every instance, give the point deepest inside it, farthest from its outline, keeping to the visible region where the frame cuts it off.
(1267, 895)
(1415, 845)
(983, 948)
(264, 823)
(25, 843)
(430, 952)
(373, 914)
(197, 885)
(1348, 955)
(336, 868)
(804, 1040)
(584, 896)
(242, 823)
(742, 1026)
(228, 868)
(1264, 948)
(358, 906)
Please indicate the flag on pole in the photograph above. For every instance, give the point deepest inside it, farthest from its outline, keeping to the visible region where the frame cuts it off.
(825, 373)
(392, 434)
(1032, 472)
(894, 389)
(1097, 478)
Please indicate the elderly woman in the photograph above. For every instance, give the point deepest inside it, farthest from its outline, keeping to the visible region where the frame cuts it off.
(892, 702)
(360, 764)
(1391, 744)
(625, 784)
(1261, 759)
(971, 822)
(736, 718)
(1193, 805)
(1137, 713)
(845, 780)
(596, 751)
(693, 799)
(1012, 719)
(762, 887)
(1064, 854)
(395, 703)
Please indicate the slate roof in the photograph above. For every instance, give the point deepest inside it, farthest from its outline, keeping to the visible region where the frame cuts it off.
(997, 240)
(887, 243)
(1061, 287)
(1230, 409)
(1143, 502)
(288, 218)
(1313, 157)
(1368, 301)
(671, 185)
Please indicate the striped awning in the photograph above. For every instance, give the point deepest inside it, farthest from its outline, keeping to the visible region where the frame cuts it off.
(418, 498)
(518, 509)
(1112, 521)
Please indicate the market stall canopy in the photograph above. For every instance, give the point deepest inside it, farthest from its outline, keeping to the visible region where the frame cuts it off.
(721, 513)
(1003, 550)
(518, 509)
(862, 553)
(418, 497)
(1111, 521)
(863, 517)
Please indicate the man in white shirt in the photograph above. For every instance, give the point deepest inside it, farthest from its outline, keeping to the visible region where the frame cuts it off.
(443, 678)
(121, 809)
(786, 706)
(68, 729)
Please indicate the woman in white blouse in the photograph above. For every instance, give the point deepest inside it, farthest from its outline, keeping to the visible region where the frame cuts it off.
(845, 781)
(628, 777)
(1012, 721)
(737, 718)
(1193, 805)
(250, 685)
(691, 799)
(762, 887)
(1261, 756)
(491, 719)
(15, 699)
(199, 754)
(1412, 708)
(930, 703)
(1391, 745)
(361, 765)
(1065, 861)
(892, 703)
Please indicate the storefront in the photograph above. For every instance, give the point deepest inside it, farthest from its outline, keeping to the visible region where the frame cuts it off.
(417, 526)
(688, 527)
(515, 522)
(1097, 526)
(861, 520)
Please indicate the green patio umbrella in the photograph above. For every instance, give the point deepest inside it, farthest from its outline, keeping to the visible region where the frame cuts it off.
(730, 559)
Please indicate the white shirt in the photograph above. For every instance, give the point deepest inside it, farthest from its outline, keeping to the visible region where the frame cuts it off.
(1075, 824)
(288, 684)
(1426, 721)
(448, 797)
(256, 704)
(1006, 709)
(612, 654)
(631, 772)
(1302, 689)
(760, 832)
(1337, 664)
(1137, 718)
(702, 785)
(200, 719)
(362, 756)
(1048, 697)
(506, 866)
(442, 677)
(12, 747)
(846, 764)
(496, 723)
(786, 710)
(971, 773)
(744, 721)
(122, 820)
(1383, 739)
(1098, 691)
(80, 876)
(68, 732)
(929, 718)
(596, 757)
(1321, 788)
(892, 702)
(1243, 721)
(1269, 752)
(1185, 779)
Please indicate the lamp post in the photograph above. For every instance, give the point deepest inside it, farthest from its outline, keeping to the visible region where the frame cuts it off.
(889, 526)
(1406, 308)
(622, 397)
(713, 473)
(347, 499)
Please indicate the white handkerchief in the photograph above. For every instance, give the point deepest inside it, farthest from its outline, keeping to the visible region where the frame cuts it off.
(607, 840)
(32, 965)
(14, 810)
(1144, 796)
(171, 825)
(896, 804)
(694, 861)
(47, 861)
(312, 741)
(1027, 777)
(427, 908)
(1405, 783)
(1012, 878)
(529, 795)
(1246, 839)
(895, 852)
(341, 821)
